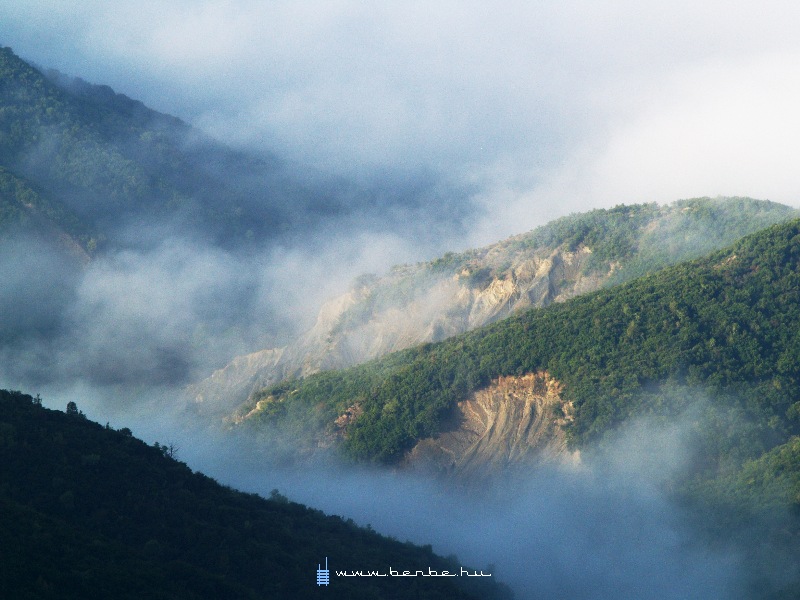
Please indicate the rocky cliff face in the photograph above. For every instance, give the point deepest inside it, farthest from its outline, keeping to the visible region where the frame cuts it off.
(515, 422)
(412, 305)
(239, 377)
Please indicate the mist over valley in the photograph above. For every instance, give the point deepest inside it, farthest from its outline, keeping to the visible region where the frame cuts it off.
(489, 287)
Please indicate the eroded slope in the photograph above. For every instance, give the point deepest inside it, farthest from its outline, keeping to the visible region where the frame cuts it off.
(514, 422)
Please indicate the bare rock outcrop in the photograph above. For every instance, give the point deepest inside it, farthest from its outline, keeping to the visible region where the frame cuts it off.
(515, 422)
(237, 379)
(410, 306)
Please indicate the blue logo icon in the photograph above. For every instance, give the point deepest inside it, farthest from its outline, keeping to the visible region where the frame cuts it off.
(323, 575)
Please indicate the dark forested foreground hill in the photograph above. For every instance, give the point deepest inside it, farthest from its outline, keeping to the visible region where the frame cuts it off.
(725, 327)
(90, 512)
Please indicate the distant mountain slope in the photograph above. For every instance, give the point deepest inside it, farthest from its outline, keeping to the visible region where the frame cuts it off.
(107, 159)
(21, 205)
(726, 326)
(89, 512)
(111, 163)
(429, 302)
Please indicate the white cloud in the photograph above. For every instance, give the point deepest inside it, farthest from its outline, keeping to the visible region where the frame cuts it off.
(715, 129)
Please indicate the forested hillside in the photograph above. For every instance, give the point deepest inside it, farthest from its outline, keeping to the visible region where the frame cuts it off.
(87, 511)
(725, 327)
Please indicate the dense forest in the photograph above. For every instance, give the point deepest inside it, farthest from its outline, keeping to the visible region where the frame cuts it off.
(92, 512)
(642, 238)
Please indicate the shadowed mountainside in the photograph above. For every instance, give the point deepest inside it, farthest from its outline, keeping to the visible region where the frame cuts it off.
(90, 512)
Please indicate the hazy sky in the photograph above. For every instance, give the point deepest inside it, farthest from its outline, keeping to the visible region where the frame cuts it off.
(546, 108)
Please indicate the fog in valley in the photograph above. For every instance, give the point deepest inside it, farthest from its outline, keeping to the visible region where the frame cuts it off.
(608, 525)
(393, 134)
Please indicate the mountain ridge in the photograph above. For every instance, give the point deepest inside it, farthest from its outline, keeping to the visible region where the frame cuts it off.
(428, 302)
